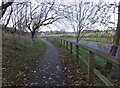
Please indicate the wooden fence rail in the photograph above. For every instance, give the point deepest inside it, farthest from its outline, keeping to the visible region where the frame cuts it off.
(90, 63)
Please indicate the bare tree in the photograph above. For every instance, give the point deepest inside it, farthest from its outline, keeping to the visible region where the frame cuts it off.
(85, 15)
(48, 13)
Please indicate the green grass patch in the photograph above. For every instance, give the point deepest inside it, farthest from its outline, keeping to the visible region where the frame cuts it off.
(39, 43)
(72, 59)
(83, 53)
(102, 40)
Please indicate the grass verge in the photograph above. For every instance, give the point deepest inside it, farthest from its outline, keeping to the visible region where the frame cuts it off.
(18, 58)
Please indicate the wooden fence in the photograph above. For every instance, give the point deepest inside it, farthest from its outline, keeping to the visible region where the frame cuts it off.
(92, 71)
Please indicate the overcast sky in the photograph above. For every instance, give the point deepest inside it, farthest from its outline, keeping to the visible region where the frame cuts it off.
(70, 1)
(53, 27)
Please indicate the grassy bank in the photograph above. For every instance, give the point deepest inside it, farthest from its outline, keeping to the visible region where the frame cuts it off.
(18, 58)
(103, 37)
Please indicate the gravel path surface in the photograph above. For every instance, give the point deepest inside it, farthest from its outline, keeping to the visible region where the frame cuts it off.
(49, 69)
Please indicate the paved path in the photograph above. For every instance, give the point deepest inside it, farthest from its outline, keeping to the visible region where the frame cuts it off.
(99, 46)
(49, 70)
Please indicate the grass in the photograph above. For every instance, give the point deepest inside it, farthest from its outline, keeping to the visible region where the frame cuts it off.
(100, 34)
(39, 43)
(102, 40)
(103, 37)
(18, 58)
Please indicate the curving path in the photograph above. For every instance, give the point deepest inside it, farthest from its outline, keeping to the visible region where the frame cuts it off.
(49, 69)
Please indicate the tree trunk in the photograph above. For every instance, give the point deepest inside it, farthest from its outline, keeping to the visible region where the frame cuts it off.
(77, 39)
(33, 36)
(114, 47)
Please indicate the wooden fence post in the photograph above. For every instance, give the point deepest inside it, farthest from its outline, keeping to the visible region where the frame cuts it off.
(77, 53)
(61, 41)
(71, 47)
(91, 66)
(58, 40)
(66, 45)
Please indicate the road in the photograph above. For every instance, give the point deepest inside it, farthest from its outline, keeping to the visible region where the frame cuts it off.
(98, 46)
